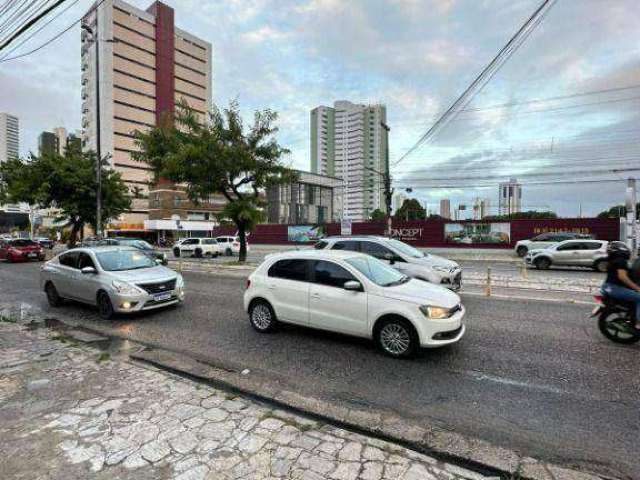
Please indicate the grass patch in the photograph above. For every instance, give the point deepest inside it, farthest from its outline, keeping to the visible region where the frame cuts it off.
(67, 340)
(8, 319)
(103, 357)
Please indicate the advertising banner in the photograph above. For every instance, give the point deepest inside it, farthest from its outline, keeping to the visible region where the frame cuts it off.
(305, 233)
(345, 227)
(471, 233)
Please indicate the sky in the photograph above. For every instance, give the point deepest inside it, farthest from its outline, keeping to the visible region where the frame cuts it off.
(563, 108)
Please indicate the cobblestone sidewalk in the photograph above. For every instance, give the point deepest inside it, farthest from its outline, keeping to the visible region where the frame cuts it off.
(69, 411)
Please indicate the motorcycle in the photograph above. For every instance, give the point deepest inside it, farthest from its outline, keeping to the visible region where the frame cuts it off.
(615, 320)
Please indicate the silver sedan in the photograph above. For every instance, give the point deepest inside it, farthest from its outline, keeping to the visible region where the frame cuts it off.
(115, 279)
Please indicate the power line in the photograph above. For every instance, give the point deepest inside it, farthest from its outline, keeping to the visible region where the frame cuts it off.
(30, 23)
(487, 73)
(55, 37)
(39, 29)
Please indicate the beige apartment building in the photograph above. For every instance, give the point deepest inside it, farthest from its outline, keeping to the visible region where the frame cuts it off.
(145, 66)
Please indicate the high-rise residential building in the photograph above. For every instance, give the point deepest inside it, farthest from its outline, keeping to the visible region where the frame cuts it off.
(481, 207)
(146, 66)
(9, 137)
(57, 141)
(509, 197)
(398, 200)
(350, 141)
(445, 208)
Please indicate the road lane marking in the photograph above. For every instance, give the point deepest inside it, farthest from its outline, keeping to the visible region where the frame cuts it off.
(515, 383)
(538, 299)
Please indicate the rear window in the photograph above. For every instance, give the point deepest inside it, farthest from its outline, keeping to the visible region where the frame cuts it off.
(320, 245)
(351, 245)
(290, 269)
(22, 243)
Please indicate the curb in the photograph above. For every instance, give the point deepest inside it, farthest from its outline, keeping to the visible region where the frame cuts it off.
(477, 456)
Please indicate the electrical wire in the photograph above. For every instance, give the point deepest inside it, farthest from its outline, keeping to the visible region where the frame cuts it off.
(31, 22)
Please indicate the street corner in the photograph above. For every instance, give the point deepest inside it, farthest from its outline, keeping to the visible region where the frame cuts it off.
(77, 414)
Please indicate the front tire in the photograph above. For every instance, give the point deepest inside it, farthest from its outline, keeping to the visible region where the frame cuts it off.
(228, 252)
(176, 252)
(617, 327)
(198, 253)
(262, 317)
(601, 266)
(522, 251)
(105, 307)
(397, 338)
(52, 295)
(543, 263)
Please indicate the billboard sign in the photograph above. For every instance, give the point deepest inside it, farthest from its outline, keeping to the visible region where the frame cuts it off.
(305, 233)
(471, 233)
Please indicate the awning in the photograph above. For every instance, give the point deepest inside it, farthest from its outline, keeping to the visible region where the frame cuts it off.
(176, 225)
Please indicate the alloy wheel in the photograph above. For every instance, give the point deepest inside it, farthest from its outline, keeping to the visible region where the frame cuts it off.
(261, 316)
(395, 339)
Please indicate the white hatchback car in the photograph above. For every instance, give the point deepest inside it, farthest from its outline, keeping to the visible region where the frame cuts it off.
(197, 247)
(354, 294)
(230, 245)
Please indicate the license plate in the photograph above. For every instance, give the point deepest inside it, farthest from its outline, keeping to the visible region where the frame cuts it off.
(31, 255)
(161, 296)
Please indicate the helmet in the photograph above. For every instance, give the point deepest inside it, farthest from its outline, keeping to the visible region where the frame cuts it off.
(618, 250)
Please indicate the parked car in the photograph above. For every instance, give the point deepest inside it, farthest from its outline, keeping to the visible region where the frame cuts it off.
(354, 294)
(197, 247)
(230, 245)
(140, 244)
(403, 257)
(573, 253)
(45, 242)
(545, 240)
(21, 250)
(116, 279)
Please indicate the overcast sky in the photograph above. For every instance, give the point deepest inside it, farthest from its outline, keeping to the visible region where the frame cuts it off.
(581, 66)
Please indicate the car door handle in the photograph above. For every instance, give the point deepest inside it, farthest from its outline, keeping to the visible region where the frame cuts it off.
(315, 295)
(271, 286)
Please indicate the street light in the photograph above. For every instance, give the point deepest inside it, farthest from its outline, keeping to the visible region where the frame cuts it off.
(96, 39)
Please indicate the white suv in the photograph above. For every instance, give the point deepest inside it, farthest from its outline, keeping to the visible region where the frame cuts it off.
(230, 245)
(197, 247)
(403, 257)
(354, 294)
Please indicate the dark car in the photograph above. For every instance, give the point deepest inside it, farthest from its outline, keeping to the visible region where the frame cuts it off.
(138, 243)
(46, 242)
(21, 250)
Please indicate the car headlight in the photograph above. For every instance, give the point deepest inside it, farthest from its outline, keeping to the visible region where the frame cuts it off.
(441, 269)
(125, 288)
(437, 313)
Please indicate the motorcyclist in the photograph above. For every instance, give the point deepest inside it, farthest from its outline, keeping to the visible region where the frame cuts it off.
(619, 285)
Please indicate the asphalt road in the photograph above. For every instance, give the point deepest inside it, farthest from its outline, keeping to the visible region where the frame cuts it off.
(533, 376)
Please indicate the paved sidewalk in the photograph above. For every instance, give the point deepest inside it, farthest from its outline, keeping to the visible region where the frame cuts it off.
(71, 411)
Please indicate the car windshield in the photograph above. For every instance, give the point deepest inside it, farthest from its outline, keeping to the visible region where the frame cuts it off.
(119, 260)
(377, 271)
(23, 243)
(406, 249)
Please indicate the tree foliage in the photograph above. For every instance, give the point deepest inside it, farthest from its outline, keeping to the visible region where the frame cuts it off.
(219, 156)
(378, 215)
(531, 214)
(618, 211)
(410, 210)
(65, 182)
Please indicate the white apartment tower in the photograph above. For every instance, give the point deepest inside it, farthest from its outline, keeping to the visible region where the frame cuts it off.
(9, 137)
(350, 141)
(510, 197)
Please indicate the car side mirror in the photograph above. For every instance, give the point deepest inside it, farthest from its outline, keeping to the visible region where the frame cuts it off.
(390, 258)
(88, 270)
(353, 286)
(159, 261)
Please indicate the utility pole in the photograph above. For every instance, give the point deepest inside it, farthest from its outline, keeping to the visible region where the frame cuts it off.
(630, 203)
(388, 191)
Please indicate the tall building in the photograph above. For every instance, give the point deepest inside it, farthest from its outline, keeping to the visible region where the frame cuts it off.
(481, 207)
(445, 208)
(57, 141)
(510, 197)
(9, 137)
(146, 65)
(398, 200)
(350, 141)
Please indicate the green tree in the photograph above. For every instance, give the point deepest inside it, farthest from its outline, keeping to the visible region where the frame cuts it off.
(530, 214)
(618, 211)
(410, 210)
(218, 156)
(378, 215)
(68, 183)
